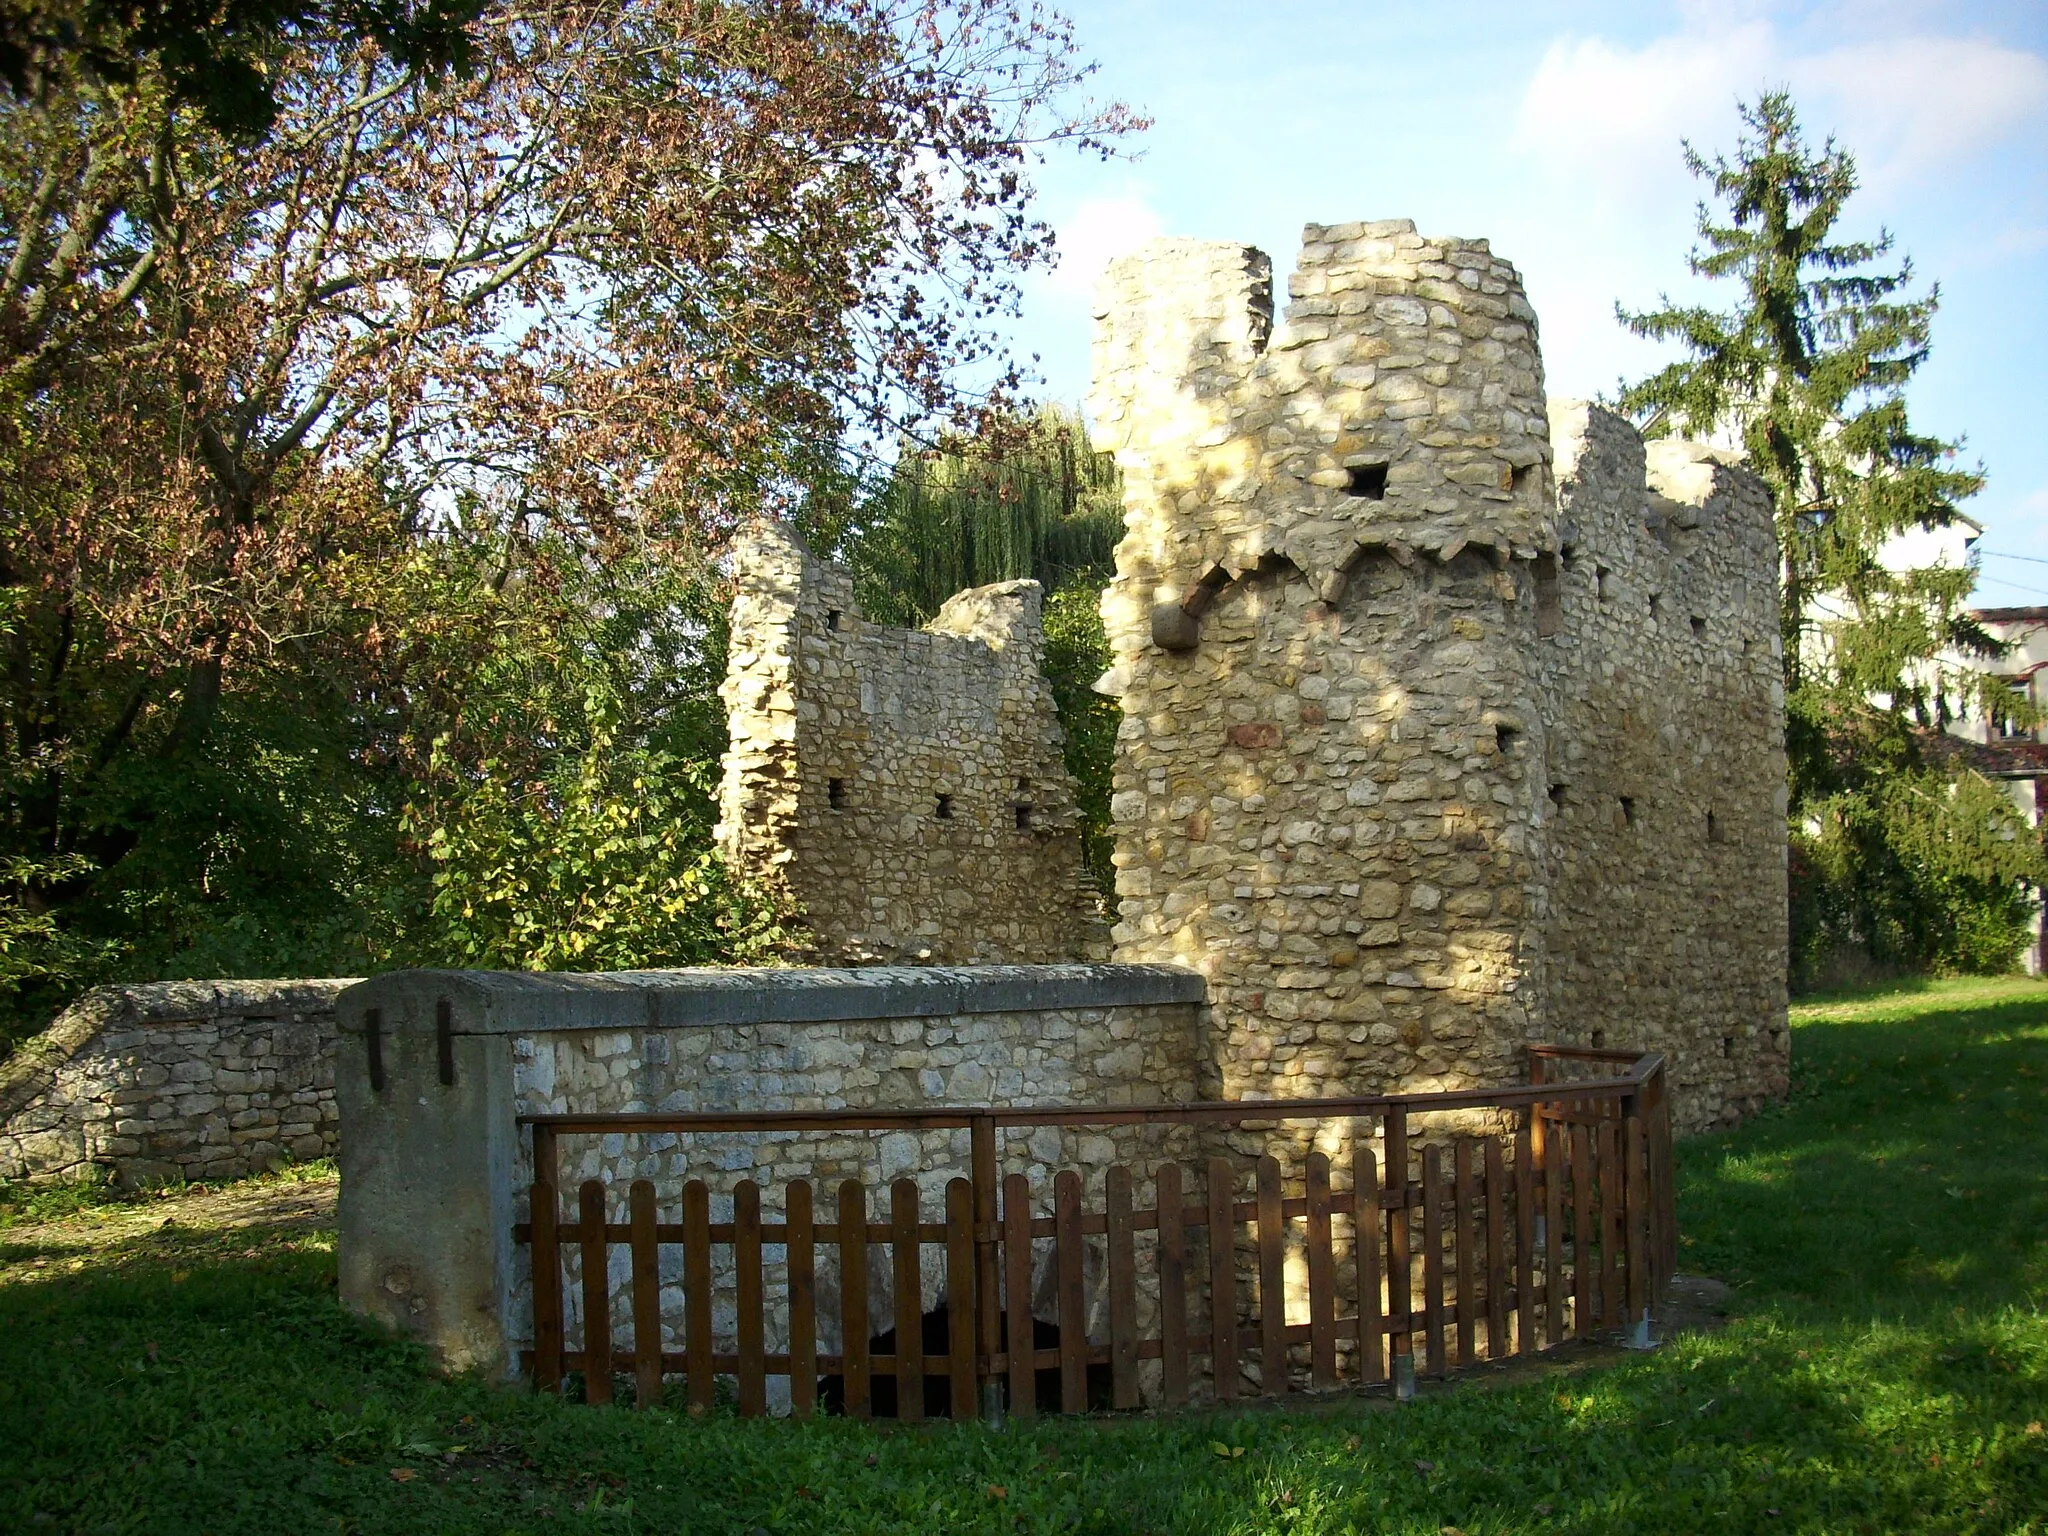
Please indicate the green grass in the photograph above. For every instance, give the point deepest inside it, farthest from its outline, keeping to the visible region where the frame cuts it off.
(1886, 1234)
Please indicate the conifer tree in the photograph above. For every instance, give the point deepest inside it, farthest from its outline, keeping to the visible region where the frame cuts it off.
(1893, 850)
(1809, 372)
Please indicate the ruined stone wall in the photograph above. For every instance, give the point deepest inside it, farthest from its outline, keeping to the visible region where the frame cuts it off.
(1354, 656)
(906, 787)
(1665, 833)
(174, 1080)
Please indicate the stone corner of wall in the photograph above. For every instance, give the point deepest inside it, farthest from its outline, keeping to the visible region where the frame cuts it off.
(33, 1067)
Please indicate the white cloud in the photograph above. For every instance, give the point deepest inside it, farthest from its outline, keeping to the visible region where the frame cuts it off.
(1095, 233)
(1607, 119)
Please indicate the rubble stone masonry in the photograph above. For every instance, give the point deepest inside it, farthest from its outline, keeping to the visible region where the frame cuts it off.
(174, 1080)
(1451, 720)
(905, 787)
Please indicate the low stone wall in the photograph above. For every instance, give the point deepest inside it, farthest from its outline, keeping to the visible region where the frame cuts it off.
(435, 1169)
(175, 1079)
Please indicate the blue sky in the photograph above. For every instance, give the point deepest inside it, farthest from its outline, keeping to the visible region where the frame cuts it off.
(1554, 130)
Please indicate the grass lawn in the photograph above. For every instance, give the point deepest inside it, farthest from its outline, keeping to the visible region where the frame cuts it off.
(1885, 1369)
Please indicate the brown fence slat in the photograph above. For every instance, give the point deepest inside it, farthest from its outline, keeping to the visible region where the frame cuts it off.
(1496, 1252)
(1222, 1280)
(1433, 1259)
(746, 1258)
(1585, 1271)
(646, 1296)
(1465, 1193)
(545, 1208)
(597, 1294)
(1173, 1286)
(697, 1293)
(1635, 1251)
(1067, 1262)
(1017, 1295)
(1322, 1275)
(1611, 1221)
(1400, 1237)
(853, 1297)
(1525, 1240)
(960, 1309)
(1555, 1149)
(1272, 1281)
(801, 1249)
(1123, 1289)
(1366, 1223)
(909, 1286)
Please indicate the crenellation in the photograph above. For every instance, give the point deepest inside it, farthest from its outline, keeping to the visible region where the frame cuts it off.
(905, 787)
(1426, 683)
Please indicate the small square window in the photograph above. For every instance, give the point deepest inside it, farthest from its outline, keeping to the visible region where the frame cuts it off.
(835, 794)
(944, 809)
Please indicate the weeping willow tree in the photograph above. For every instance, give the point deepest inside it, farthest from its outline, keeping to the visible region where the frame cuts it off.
(1029, 498)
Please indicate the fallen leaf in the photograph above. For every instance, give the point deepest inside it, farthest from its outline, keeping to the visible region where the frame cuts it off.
(403, 1474)
(180, 1276)
(1543, 1509)
(1351, 1442)
(998, 1491)
(1425, 1467)
(2033, 1426)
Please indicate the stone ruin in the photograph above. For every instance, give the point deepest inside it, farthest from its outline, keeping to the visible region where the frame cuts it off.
(905, 788)
(1452, 717)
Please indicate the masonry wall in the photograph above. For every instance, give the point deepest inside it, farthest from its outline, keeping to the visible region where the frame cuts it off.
(1665, 833)
(703, 1040)
(177, 1079)
(1357, 643)
(906, 787)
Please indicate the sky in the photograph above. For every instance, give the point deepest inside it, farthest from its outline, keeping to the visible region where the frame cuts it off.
(1554, 131)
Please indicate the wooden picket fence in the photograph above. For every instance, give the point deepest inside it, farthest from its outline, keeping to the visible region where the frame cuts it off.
(1560, 1228)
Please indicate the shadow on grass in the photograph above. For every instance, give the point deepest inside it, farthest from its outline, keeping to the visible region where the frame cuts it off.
(1889, 1375)
(1907, 1173)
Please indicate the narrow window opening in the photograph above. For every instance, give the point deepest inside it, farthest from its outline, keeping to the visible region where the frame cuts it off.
(1713, 828)
(1599, 1039)
(835, 794)
(373, 1046)
(1603, 584)
(1367, 480)
(1727, 1045)
(444, 1041)
(1505, 739)
(1520, 478)
(832, 618)
(1569, 554)
(1628, 811)
(1549, 597)
(1656, 606)
(1023, 818)
(1699, 627)
(944, 810)
(1557, 796)
(1023, 785)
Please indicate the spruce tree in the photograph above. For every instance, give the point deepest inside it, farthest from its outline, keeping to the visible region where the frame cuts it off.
(1808, 372)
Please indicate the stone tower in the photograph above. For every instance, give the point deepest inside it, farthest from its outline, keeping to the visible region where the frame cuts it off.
(906, 787)
(1450, 721)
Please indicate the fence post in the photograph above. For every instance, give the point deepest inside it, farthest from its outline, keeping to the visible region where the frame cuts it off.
(1400, 1275)
(982, 1160)
(1635, 1174)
